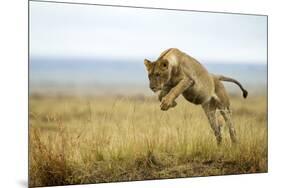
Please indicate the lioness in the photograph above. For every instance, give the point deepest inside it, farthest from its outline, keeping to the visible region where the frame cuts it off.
(175, 73)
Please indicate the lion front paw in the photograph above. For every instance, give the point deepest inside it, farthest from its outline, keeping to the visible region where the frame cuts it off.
(166, 103)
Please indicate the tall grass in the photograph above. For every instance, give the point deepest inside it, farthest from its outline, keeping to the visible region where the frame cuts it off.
(104, 139)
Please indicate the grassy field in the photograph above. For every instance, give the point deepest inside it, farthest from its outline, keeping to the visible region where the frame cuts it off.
(77, 140)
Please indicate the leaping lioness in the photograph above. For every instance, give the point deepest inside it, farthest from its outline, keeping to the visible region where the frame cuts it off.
(175, 73)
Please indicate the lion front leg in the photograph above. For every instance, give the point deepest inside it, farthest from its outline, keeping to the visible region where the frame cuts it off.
(167, 101)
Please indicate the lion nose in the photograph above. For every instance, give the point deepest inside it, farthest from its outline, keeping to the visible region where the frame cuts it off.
(154, 89)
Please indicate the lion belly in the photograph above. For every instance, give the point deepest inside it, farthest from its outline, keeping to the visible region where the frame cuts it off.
(200, 92)
(195, 97)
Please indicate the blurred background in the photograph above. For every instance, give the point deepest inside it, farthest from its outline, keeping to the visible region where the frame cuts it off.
(99, 50)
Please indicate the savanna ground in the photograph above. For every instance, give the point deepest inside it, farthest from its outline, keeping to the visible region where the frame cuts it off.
(76, 140)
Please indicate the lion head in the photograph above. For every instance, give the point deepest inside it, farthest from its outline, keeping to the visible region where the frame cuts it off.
(158, 73)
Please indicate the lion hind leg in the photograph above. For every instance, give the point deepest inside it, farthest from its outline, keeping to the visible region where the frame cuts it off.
(227, 117)
(210, 111)
(219, 119)
(223, 104)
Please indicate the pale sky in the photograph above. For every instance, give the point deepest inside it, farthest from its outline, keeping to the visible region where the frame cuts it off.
(67, 30)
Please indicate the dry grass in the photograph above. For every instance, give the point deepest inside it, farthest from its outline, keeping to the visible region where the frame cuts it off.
(99, 139)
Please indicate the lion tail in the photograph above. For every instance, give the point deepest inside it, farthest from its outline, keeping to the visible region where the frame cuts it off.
(227, 79)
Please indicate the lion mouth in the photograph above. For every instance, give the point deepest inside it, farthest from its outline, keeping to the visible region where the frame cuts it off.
(155, 90)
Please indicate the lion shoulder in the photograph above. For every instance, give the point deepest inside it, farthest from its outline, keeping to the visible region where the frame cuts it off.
(181, 60)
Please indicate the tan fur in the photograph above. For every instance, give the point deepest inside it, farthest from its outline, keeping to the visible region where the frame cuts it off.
(175, 73)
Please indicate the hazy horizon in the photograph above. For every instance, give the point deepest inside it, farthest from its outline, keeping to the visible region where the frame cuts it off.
(96, 76)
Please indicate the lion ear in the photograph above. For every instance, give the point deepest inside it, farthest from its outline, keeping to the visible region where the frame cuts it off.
(147, 64)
